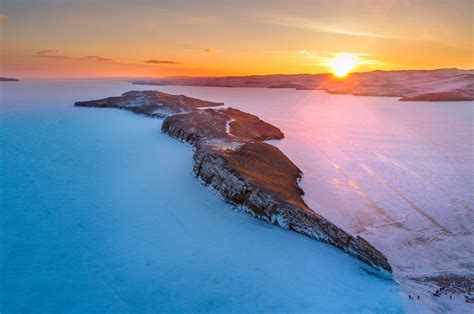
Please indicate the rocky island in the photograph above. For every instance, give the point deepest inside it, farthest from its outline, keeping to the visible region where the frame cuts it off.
(232, 158)
(408, 85)
(8, 79)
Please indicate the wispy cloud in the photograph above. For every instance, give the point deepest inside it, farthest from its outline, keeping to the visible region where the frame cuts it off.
(52, 56)
(3, 17)
(153, 61)
(58, 54)
(211, 50)
(311, 25)
(49, 52)
(97, 58)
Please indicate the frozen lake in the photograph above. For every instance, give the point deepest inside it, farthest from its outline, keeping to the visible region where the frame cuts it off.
(401, 174)
(100, 212)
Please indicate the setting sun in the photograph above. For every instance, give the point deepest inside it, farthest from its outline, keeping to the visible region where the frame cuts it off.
(342, 64)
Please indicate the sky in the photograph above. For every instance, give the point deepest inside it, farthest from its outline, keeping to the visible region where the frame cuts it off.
(154, 38)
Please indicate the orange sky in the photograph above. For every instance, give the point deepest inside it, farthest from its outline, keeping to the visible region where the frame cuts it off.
(125, 38)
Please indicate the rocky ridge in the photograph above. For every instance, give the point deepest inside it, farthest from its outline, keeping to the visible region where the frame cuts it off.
(232, 158)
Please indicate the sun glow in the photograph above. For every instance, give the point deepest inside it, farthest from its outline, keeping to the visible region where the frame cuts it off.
(342, 64)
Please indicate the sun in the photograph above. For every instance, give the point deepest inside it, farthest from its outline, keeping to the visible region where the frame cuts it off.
(342, 64)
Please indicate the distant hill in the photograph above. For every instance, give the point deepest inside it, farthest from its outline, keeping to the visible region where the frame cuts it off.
(8, 79)
(414, 85)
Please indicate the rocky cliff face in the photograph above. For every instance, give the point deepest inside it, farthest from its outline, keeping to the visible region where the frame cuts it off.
(215, 169)
(231, 157)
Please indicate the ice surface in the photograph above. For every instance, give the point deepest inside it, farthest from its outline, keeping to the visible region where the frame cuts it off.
(100, 212)
(401, 174)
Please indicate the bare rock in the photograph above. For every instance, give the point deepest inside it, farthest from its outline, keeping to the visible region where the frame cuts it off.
(150, 103)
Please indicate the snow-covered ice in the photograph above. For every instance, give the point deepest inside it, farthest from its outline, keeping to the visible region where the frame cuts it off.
(100, 212)
(400, 174)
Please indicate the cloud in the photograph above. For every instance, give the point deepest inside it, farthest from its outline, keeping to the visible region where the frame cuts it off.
(58, 54)
(311, 25)
(161, 62)
(49, 52)
(52, 57)
(97, 58)
(3, 17)
(211, 50)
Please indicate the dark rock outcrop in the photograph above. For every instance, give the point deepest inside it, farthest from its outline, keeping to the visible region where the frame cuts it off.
(231, 157)
(8, 79)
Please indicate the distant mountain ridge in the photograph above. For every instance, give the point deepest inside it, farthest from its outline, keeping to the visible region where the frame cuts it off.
(409, 85)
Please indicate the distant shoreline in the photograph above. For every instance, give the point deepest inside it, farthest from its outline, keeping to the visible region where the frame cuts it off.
(408, 85)
(8, 79)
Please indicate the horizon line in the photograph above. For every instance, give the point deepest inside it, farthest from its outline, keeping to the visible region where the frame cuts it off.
(221, 76)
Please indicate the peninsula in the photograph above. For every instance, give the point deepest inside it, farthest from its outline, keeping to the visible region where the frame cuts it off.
(232, 158)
